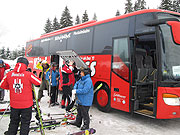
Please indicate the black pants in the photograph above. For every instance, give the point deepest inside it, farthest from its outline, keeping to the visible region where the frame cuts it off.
(54, 94)
(67, 92)
(2, 94)
(83, 114)
(20, 115)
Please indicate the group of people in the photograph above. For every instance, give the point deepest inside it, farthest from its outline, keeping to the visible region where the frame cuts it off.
(19, 81)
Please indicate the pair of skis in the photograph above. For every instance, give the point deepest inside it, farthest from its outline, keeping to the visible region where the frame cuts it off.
(38, 113)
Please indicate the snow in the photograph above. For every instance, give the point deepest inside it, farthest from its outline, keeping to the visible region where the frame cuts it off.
(115, 122)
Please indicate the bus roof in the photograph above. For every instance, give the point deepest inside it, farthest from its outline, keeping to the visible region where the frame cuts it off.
(93, 22)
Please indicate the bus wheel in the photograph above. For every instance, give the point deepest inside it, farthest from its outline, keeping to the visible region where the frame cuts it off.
(102, 97)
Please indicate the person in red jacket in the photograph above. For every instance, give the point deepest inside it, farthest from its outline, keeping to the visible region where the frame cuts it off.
(3, 67)
(19, 82)
(68, 81)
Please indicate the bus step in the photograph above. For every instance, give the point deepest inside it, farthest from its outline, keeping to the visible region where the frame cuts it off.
(145, 113)
(147, 106)
(149, 99)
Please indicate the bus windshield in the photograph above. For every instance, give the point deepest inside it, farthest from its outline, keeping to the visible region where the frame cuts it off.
(170, 51)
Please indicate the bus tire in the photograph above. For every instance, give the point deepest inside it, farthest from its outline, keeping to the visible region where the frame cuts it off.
(102, 99)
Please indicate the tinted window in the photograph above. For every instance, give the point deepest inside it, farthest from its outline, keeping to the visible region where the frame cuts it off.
(57, 44)
(81, 41)
(32, 48)
(140, 27)
(44, 48)
(120, 63)
(105, 32)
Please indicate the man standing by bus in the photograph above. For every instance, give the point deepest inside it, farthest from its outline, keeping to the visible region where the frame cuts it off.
(53, 75)
(19, 82)
(3, 67)
(44, 67)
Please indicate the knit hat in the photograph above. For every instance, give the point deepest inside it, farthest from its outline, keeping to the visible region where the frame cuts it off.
(23, 60)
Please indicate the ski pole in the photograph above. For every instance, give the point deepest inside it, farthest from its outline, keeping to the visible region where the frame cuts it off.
(4, 112)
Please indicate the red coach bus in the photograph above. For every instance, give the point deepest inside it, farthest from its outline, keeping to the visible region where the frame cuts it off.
(134, 58)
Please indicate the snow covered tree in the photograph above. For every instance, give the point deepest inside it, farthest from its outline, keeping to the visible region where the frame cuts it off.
(48, 26)
(8, 53)
(166, 5)
(139, 5)
(66, 19)
(2, 53)
(85, 17)
(118, 13)
(14, 54)
(128, 6)
(55, 25)
(175, 5)
(78, 21)
(95, 17)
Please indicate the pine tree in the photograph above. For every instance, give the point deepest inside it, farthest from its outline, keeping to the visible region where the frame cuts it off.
(66, 19)
(95, 17)
(78, 21)
(175, 5)
(143, 4)
(128, 7)
(139, 5)
(48, 26)
(166, 5)
(2, 52)
(85, 17)
(118, 13)
(8, 53)
(55, 25)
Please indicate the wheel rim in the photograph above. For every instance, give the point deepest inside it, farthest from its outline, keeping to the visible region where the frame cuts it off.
(102, 97)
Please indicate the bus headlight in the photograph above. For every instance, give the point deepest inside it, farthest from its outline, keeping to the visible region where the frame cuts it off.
(171, 99)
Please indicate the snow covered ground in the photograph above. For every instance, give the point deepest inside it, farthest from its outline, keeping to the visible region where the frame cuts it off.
(113, 123)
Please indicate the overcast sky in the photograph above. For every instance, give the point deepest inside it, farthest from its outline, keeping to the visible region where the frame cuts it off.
(23, 20)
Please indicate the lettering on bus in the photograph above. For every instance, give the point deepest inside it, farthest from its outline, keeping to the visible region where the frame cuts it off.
(90, 61)
(64, 36)
(119, 98)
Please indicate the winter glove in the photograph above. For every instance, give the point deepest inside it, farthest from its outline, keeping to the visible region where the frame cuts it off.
(73, 94)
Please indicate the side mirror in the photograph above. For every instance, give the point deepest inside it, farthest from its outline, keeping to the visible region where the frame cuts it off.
(157, 22)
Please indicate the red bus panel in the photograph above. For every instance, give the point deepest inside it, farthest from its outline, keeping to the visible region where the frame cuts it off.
(165, 111)
(119, 93)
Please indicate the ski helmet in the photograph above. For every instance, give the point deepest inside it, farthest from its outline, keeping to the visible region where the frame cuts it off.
(23, 60)
(1, 62)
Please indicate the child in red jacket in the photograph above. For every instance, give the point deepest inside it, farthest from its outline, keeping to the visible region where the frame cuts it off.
(19, 82)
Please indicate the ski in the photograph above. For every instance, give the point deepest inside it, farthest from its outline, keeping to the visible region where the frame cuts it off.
(50, 120)
(4, 111)
(52, 114)
(38, 113)
(50, 125)
(4, 102)
(84, 132)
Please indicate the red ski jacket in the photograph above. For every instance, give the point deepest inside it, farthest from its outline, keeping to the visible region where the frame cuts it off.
(67, 75)
(19, 82)
(2, 69)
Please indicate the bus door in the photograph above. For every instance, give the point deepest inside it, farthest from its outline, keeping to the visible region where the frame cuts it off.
(145, 75)
(120, 75)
